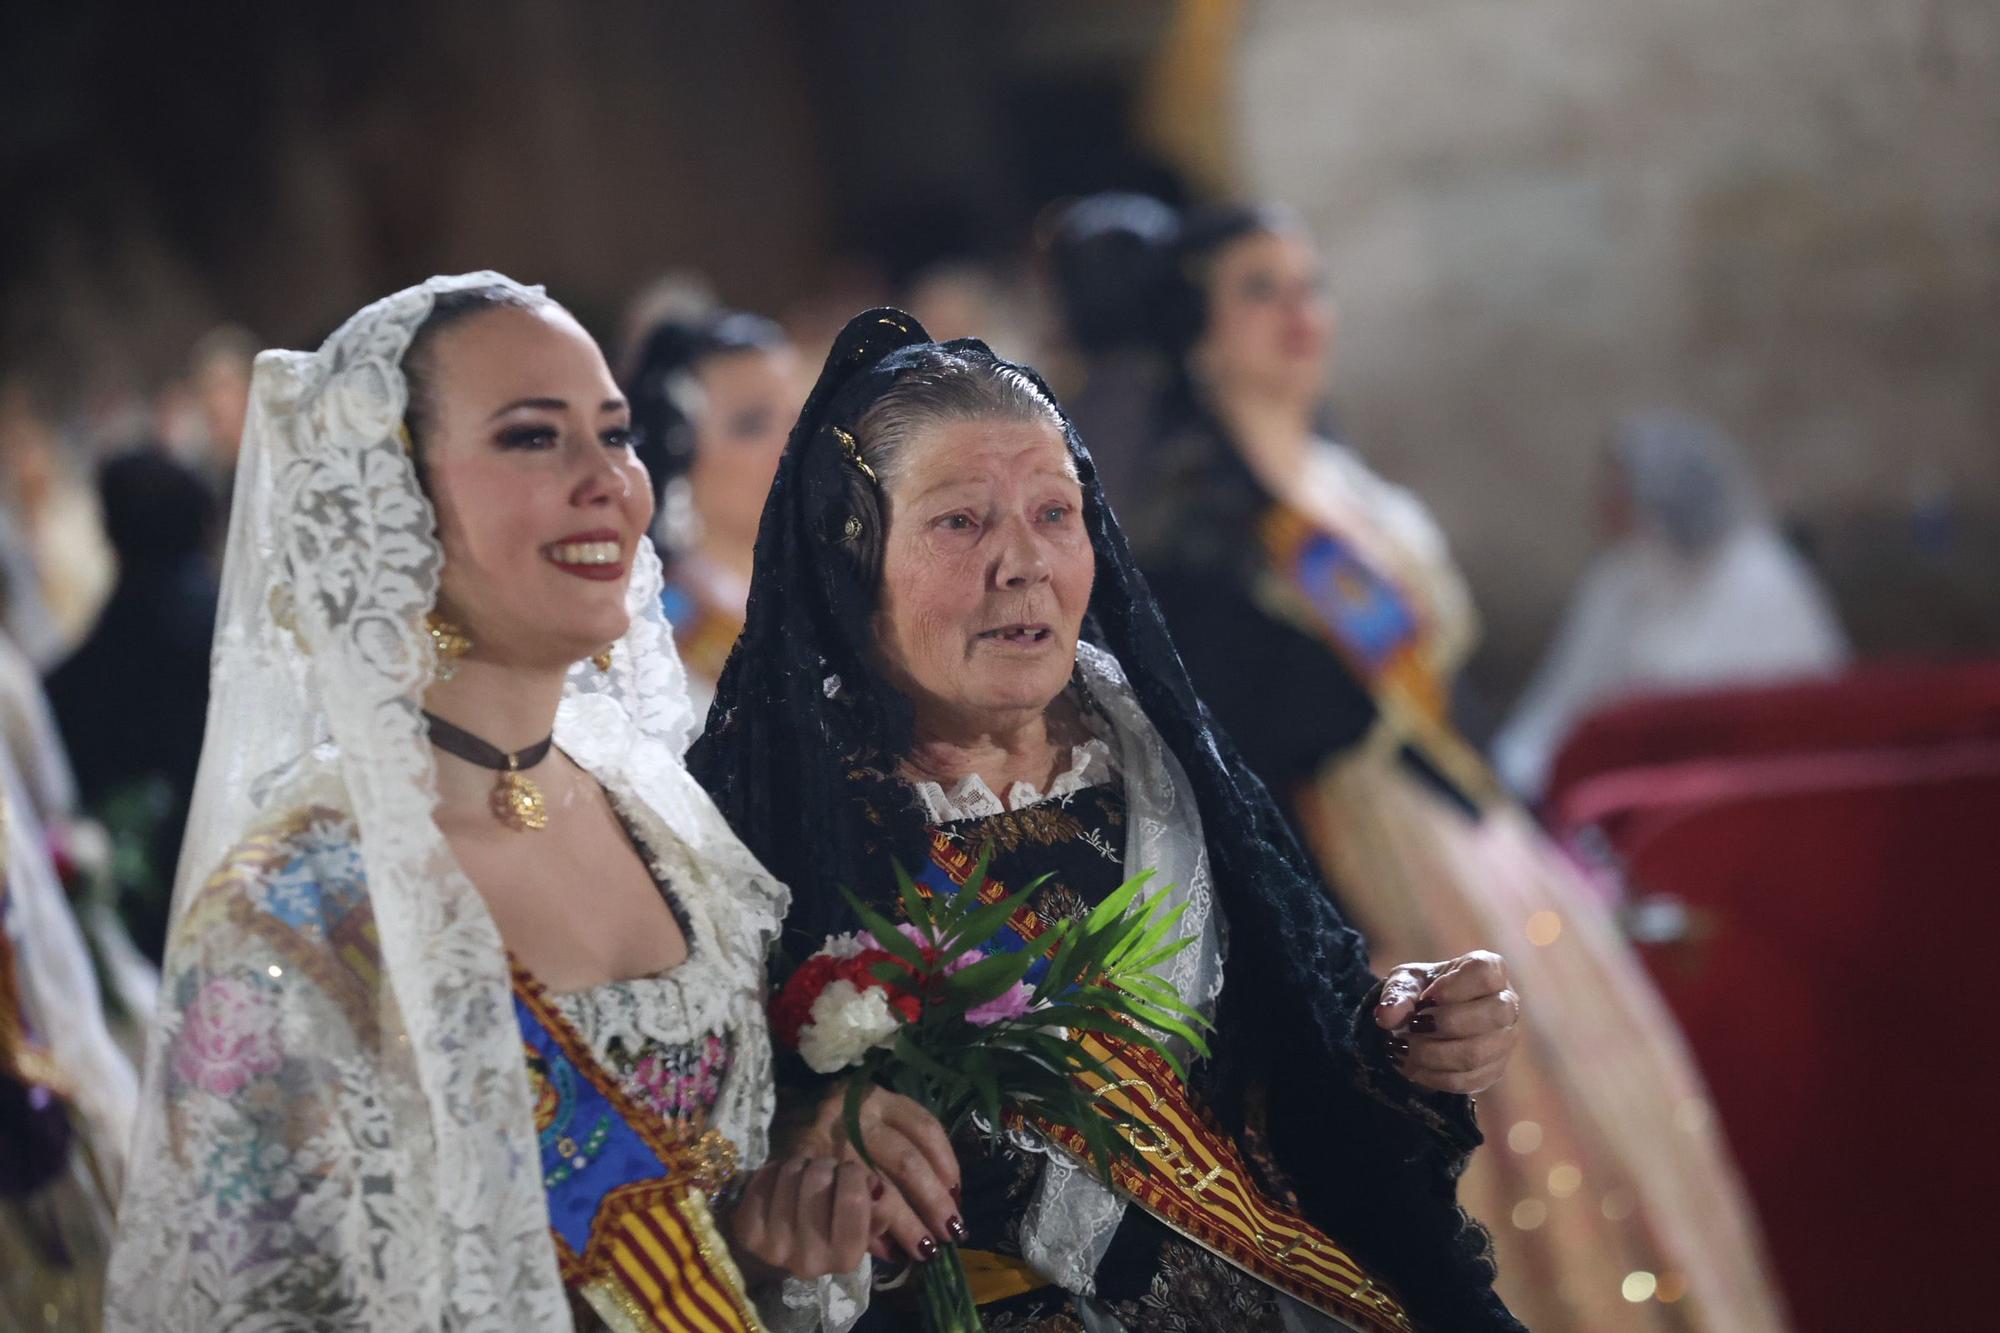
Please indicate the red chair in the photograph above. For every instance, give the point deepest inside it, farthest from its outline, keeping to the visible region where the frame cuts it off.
(1837, 987)
(1870, 708)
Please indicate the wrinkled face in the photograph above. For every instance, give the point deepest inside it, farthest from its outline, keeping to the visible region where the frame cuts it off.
(986, 571)
(1270, 323)
(749, 400)
(540, 500)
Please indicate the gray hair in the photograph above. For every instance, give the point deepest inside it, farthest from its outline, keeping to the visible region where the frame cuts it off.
(1687, 478)
(944, 388)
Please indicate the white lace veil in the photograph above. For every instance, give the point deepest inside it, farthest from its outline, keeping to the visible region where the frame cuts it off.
(319, 667)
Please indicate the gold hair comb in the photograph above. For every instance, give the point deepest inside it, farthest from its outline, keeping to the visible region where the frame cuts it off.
(852, 448)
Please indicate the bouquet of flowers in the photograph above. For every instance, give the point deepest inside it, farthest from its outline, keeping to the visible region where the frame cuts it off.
(939, 1010)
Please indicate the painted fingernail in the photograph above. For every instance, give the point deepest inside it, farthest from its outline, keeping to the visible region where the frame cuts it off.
(1398, 1048)
(956, 1197)
(955, 1229)
(877, 1190)
(1426, 1004)
(926, 1250)
(1424, 1023)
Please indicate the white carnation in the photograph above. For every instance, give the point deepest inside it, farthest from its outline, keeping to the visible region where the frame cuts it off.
(846, 1024)
(843, 946)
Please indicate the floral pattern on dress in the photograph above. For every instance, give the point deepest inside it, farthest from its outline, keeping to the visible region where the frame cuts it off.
(228, 1037)
(1194, 1291)
(675, 1082)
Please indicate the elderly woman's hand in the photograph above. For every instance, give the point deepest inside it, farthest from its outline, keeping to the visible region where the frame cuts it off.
(913, 1155)
(1451, 1025)
(806, 1217)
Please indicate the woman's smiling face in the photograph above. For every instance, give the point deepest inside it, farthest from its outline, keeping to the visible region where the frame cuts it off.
(527, 452)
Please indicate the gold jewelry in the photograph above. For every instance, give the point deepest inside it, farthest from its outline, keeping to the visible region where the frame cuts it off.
(852, 449)
(449, 642)
(515, 799)
(517, 802)
(403, 438)
(602, 661)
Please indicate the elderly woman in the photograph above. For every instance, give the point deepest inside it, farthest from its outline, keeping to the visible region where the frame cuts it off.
(948, 651)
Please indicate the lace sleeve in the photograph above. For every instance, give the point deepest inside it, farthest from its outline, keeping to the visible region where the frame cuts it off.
(269, 1190)
(826, 1305)
(1447, 1117)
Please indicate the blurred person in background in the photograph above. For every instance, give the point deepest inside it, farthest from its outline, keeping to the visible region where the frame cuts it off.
(45, 804)
(682, 295)
(25, 614)
(219, 375)
(68, 568)
(1322, 618)
(67, 1092)
(713, 397)
(131, 701)
(28, 727)
(1101, 254)
(1696, 587)
(965, 298)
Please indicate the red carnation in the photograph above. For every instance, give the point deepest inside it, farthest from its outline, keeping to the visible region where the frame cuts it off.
(791, 1007)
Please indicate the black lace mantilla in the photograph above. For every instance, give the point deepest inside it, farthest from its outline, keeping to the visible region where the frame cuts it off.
(803, 732)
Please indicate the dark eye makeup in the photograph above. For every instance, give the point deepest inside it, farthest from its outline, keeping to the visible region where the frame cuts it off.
(535, 436)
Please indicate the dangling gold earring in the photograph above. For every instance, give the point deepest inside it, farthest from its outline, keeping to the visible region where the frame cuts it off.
(449, 642)
(602, 661)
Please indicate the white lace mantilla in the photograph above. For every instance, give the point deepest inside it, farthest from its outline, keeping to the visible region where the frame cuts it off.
(337, 1129)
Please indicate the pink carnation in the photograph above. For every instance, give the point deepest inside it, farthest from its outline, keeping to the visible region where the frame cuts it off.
(1013, 1002)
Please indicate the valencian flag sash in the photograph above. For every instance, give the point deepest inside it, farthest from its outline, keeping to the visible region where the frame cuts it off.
(1186, 1171)
(628, 1190)
(1375, 628)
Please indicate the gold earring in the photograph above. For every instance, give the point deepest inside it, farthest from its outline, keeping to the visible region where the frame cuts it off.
(602, 661)
(449, 642)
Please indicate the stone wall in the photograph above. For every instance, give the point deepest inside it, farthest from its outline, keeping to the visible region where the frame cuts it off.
(1539, 213)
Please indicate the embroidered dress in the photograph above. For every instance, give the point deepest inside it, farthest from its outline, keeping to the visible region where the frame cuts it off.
(806, 734)
(292, 950)
(1150, 1277)
(1332, 667)
(341, 1126)
(704, 605)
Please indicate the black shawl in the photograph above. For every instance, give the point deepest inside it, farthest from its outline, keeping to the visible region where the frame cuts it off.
(799, 762)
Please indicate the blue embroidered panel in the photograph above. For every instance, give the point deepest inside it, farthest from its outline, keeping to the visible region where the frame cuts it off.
(588, 1149)
(1360, 606)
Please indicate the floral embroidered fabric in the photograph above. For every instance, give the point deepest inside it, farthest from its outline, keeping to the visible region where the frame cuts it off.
(1149, 1278)
(674, 1079)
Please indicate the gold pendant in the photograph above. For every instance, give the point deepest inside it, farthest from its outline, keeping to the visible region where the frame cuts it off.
(517, 803)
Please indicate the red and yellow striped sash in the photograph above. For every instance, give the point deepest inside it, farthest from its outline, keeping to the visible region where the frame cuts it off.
(1193, 1178)
(657, 1264)
(654, 1261)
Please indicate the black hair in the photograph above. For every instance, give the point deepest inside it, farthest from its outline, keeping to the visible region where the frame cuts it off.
(1182, 306)
(450, 308)
(658, 386)
(156, 508)
(1107, 254)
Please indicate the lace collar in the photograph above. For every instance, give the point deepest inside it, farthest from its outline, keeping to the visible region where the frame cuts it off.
(1090, 763)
